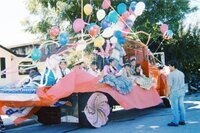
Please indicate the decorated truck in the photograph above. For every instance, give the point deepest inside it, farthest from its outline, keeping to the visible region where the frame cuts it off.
(91, 100)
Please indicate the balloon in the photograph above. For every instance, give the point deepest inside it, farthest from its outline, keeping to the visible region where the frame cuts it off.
(138, 12)
(54, 31)
(108, 32)
(106, 4)
(140, 6)
(129, 23)
(168, 35)
(81, 45)
(121, 8)
(118, 26)
(36, 54)
(94, 30)
(132, 18)
(105, 23)
(163, 28)
(78, 25)
(113, 40)
(63, 39)
(87, 9)
(121, 40)
(100, 14)
(118, 34)
(113, 16)
(132, 6)
(125, 16)
(99, 41)
(90, 26)
(126, 31)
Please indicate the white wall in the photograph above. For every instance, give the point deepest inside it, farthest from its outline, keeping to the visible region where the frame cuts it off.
(12, 63)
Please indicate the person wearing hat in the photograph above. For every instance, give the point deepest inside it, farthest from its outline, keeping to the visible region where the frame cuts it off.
(93, 69)
(80, 64)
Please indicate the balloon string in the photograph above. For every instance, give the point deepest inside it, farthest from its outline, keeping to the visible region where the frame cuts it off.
(159, 46)
(82, 17)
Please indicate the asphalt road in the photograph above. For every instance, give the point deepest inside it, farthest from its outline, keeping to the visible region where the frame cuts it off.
(149, 120)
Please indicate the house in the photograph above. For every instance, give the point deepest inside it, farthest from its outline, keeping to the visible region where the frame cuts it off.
(12, 62)
(24, 49)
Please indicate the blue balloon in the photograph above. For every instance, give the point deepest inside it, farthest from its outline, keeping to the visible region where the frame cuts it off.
(121, 40)
(170, 33)
(132, 6)
(90, 26)
(113, 17)
(118, 34)
(63, 39)
(36, 54)
(63, 35)
(121, 8)
(105, 24)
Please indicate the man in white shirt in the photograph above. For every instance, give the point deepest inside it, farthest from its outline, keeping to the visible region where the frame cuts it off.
(176, 92)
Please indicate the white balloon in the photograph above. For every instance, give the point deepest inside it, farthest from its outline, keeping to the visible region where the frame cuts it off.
(138, 12)
(108, 32)
(118, 26)
(113, 40)
(140, 6)
(81, 45)
(100, 14)
(132, 18)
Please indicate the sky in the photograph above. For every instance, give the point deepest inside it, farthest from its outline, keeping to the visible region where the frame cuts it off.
(11, 30)
(13, 11)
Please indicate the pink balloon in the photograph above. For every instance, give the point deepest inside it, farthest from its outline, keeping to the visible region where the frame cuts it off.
(106, 4)
(126, 15)
(78, 25)
(126, 31)
(164, 28)
(54, 31)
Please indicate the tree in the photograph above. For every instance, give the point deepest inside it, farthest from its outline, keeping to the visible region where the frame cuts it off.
(171, 12)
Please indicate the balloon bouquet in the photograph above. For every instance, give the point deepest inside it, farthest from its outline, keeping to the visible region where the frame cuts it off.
(113, 27)
(167, 34)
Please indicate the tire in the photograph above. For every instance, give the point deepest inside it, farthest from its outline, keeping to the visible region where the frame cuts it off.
(49, 115)
(166, 102)
(84, 101)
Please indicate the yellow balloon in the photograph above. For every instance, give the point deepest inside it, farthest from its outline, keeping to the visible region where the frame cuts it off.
(99, 41)
(88, 9)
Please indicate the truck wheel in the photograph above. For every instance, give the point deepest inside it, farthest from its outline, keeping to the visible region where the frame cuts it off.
(49, 115)
(93, 109)
(166, 102)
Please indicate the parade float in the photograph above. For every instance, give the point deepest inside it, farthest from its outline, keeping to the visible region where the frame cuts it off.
(112, 33)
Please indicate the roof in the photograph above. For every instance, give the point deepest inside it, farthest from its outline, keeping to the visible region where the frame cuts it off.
(24, 45)
(8, 50)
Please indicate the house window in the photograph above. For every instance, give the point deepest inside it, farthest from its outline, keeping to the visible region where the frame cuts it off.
(3, 66)
(23, 65)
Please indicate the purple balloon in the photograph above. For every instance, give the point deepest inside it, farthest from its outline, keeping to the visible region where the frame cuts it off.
(105, 24)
